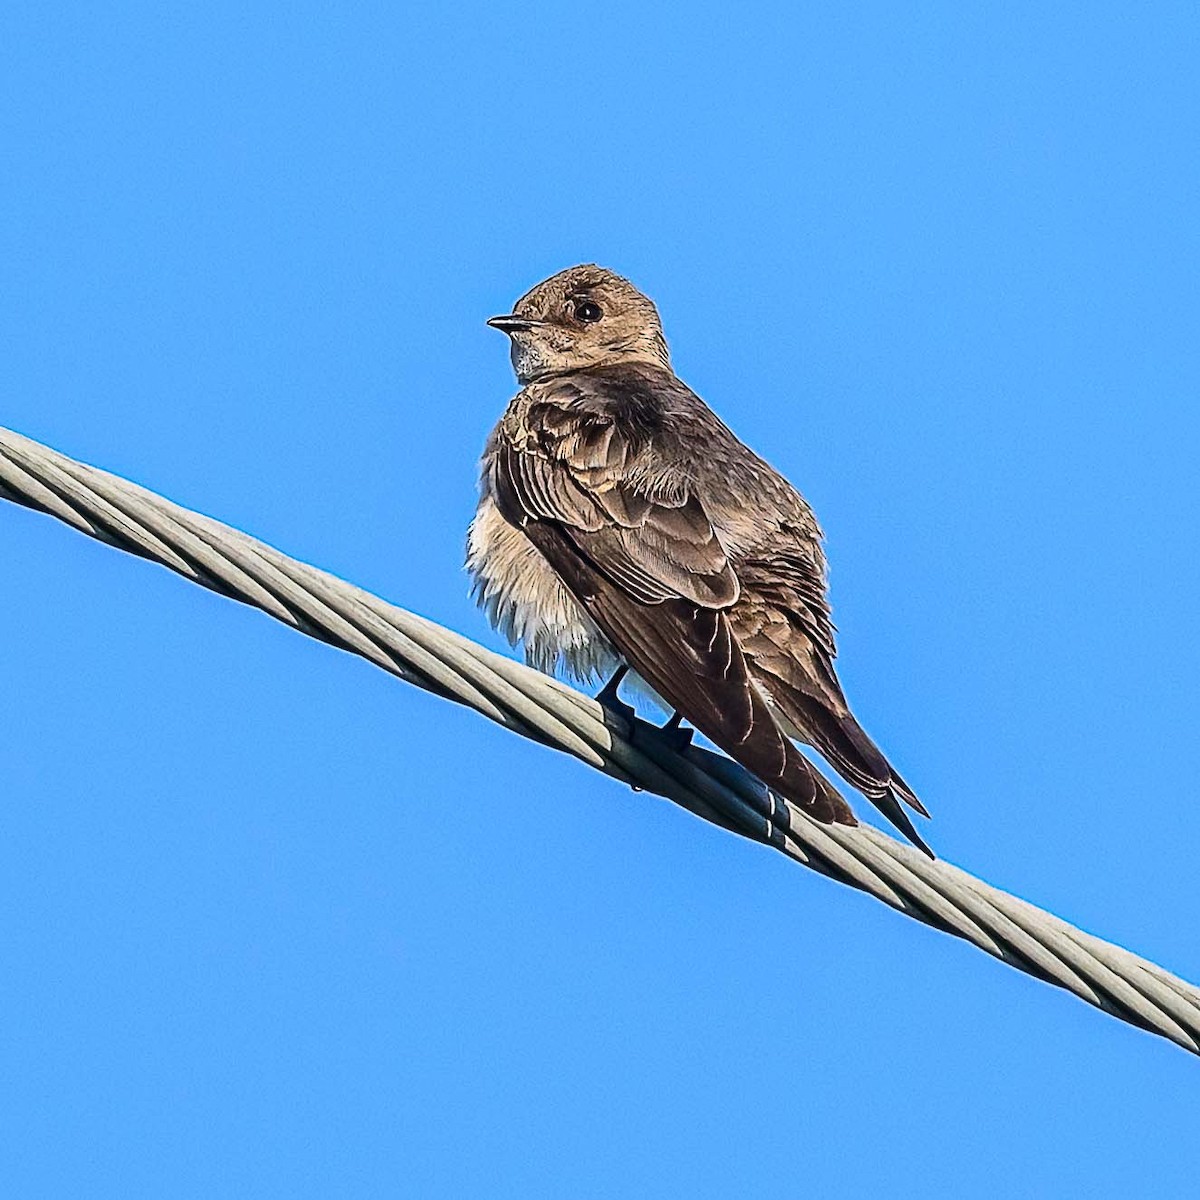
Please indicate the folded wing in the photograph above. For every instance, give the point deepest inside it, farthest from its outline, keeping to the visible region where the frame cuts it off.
(782, 625)
(643, 559)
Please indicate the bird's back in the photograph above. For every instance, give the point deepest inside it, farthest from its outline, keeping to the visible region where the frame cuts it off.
(675, 454)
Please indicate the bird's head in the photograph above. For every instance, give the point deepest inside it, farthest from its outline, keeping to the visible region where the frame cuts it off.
(582, 317)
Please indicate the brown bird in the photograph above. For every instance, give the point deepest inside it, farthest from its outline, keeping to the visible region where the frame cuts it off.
(622, 524)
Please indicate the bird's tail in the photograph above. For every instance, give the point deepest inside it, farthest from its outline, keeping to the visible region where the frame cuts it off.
(848, 748)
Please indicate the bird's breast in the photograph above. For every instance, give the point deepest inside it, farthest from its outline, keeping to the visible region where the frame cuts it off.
(527, 602)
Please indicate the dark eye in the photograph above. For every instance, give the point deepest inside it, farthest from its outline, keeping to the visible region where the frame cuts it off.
(587, 311)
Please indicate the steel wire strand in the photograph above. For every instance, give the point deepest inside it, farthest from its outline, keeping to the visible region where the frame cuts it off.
(419, 651)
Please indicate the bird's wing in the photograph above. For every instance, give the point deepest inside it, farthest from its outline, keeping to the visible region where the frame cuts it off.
(642, 557)
(782, 624)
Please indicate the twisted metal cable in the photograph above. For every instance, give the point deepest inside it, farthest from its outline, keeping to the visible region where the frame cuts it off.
(112, 509)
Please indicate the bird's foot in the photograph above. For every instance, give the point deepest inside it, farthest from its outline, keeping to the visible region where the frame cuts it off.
(609, 698)
(675, 735)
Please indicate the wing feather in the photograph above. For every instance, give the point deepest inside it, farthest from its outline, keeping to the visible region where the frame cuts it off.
(744, 648)
(689, 655)
(650, 569)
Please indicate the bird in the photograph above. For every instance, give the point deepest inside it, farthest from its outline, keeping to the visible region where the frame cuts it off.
(621, 525)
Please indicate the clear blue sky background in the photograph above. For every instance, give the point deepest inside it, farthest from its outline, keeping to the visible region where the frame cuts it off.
(273, 924)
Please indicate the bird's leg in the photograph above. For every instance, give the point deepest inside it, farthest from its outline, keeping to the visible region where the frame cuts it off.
(674, 733)
(608, 693)
(608, 697)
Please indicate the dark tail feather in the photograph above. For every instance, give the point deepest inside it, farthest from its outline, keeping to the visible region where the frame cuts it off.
(844, 742)
(849, 749)
(854, 748)
(894, 811)
(908, 795)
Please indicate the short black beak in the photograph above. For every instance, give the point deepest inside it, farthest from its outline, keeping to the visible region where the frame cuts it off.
(510, 323)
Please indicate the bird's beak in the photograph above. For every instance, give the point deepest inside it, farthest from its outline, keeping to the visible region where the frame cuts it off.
(511, 323)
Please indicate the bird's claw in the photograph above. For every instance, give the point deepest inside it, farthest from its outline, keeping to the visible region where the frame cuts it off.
(673, 733)
(608, 697)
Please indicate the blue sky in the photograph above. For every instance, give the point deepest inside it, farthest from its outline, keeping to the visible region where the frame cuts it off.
(273, 924)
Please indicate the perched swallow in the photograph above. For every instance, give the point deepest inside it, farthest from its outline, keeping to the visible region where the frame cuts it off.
(620, 522)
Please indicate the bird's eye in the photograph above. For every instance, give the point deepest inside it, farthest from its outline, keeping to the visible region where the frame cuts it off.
(587, 311)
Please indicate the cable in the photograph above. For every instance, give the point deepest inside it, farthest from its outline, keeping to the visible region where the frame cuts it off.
(423, 653)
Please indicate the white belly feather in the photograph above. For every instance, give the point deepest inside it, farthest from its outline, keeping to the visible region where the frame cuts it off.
(528, 603)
